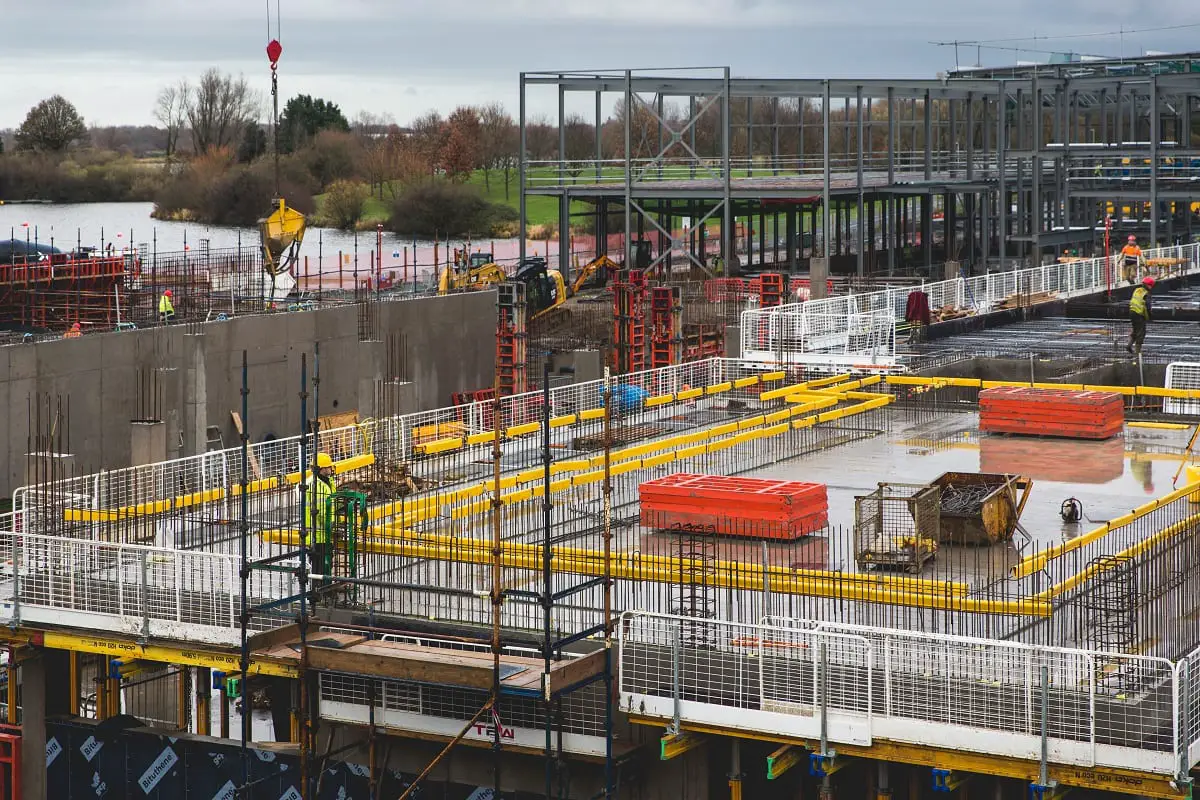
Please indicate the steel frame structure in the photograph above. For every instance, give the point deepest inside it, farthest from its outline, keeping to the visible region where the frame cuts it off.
(1030, 155)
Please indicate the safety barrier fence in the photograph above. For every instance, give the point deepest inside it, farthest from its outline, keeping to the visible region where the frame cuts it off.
(856, 684)
(215, 476)
(837, 317)
(160, 592)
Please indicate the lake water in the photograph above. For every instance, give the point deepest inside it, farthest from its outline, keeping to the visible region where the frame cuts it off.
(97, 224)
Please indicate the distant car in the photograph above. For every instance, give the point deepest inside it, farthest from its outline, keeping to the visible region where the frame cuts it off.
(16, 251)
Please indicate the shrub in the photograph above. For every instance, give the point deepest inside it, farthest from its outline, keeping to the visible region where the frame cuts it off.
(331, 156)
(214, 191)
(443, 208)
(345, 204)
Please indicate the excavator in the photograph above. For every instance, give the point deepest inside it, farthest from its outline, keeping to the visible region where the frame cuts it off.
(282, 234)
(545, 291)
(473, 271)
(594, 274)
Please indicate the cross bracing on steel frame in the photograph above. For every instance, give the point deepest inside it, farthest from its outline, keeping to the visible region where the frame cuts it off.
(1059, 92)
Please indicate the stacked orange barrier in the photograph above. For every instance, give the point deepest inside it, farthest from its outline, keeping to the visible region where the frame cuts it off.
(746, 507)
(1068, 413)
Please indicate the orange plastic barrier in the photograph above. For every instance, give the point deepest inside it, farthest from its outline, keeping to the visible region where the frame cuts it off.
(1068, 413)
(744, 507)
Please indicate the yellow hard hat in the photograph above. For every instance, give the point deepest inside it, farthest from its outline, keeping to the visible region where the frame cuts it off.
(324, 461)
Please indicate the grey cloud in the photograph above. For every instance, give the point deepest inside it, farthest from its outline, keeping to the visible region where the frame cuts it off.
(371, 53)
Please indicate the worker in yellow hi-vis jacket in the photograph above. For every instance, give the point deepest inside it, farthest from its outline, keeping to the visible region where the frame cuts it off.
(318, 489)
(1139, 314)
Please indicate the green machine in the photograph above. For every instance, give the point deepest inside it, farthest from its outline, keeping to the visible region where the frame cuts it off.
(346, 521)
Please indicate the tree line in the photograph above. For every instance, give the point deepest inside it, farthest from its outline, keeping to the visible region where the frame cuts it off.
(210, 157)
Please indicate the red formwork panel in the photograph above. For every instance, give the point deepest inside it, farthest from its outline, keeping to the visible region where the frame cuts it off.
(1068, 413)
(746, 507)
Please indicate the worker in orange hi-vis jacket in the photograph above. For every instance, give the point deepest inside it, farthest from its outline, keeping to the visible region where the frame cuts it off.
(1131, 259)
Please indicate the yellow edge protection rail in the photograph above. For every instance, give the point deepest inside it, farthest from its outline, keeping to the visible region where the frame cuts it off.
(357, 462)
(449, 443)
(1036, 562)
(622, 461)
(533, 553)
(1133, 551)
(976, 383)
(743, 580)
(207, 496)
(684, 445)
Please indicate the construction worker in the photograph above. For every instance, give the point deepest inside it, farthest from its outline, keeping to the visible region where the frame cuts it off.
(166, 309)
(319, 487)
(1139, 314)
(1131, 259)
(74, 332)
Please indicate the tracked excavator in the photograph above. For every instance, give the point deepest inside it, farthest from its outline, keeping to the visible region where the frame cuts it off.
(594, 275)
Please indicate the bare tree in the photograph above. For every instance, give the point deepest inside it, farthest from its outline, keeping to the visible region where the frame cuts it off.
(171, 112)
(429, 136)
(219, 109)
(580, 138)
(372, 126)
(497, 137)
(541, 139)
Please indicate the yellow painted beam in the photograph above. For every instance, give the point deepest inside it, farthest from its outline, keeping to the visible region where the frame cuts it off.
(661, 570)
(783, 759)
(673, 746)
(1121, 781)
(165, 653)
(1163, 426)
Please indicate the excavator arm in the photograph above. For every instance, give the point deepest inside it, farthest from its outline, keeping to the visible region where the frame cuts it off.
(589, 270)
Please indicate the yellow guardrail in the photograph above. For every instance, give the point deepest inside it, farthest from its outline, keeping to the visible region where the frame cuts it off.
(1036, 562)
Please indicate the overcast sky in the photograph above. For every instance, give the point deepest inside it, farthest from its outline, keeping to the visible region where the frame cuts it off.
(403, 57)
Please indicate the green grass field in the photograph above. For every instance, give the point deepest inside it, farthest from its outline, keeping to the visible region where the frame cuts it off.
(539, 210)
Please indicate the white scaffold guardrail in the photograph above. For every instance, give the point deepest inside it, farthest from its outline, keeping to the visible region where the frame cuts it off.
(769, 336)
(855, 684)
(205, 482)
(156, 592)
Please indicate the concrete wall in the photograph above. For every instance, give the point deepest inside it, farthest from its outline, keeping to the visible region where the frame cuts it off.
(190, 377)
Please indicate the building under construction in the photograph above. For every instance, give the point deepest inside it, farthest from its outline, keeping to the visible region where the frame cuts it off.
(859, 552)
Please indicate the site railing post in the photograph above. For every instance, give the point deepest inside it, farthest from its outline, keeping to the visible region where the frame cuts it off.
(608, 628)
(676, 689)
(547, 575)
(521, 180)
(144, 581)
(244, 571)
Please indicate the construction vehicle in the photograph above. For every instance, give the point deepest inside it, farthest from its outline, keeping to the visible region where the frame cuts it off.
(474, 271)
(545, 289)
(594, 275)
